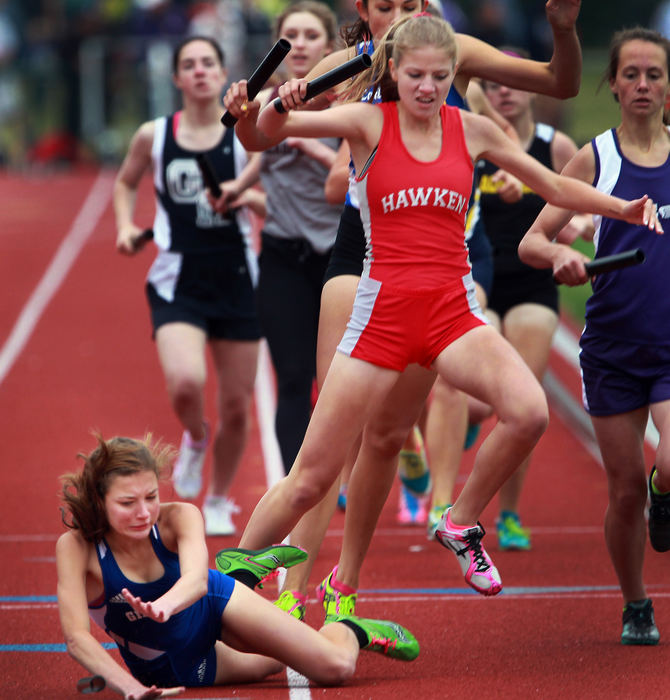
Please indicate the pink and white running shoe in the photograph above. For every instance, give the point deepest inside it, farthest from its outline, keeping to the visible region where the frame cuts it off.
(466, 544)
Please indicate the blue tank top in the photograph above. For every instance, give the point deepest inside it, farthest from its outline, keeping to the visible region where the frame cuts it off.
(140, 635)
(632, 304)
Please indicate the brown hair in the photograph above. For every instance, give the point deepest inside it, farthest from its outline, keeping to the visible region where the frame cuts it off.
(83, 493)
(408, 33)
(623, 37)
(357, 31)
(196, 37)
(319, 9)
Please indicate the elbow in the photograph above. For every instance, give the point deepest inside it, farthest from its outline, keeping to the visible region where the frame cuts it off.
(249, 142)
(202, 587)
(569, 89)
(522, 251)
(333, 195)
(73, 644)
(525, 251)
(567, 93)
(200, 584)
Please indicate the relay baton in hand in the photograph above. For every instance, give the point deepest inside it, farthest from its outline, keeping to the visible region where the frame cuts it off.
(614, 262)
(144, 237)
(208, 174)
(261, 75)
(92, 684)
(331, 78)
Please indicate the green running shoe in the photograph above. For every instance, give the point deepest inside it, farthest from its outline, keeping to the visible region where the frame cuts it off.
(383, 636)
(511, 534)
(293, 603)
(334, 601)
(434, 517)
(413, 467)
(261, 563)
(639, 626)
(471, 435)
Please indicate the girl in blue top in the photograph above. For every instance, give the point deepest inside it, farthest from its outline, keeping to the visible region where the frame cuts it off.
(138, 567)
(625, 346)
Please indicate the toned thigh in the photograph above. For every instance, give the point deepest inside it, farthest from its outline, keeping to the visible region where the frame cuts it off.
(337, 301)
(235, 362)
(181, 351)
(483, 364)
(530, 329)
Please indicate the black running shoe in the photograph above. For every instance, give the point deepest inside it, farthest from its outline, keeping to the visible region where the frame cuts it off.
(659, 519)
(638, 623)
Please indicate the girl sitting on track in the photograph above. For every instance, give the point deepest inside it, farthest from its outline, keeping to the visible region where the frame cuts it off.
(415, 302)
(625, 345)
(138, 567)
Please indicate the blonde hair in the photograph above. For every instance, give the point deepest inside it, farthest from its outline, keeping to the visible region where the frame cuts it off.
(407, 34)
(83, 493)
(319, 9)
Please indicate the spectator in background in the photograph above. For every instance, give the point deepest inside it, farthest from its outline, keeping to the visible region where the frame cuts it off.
(498, 22)
(661, 19)
(10, 89)
(240, 27)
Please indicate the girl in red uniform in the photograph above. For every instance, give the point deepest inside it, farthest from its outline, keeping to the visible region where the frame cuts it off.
(417, 268)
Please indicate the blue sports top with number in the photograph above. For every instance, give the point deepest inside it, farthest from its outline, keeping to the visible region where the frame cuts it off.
(631, 304)
(185, 638)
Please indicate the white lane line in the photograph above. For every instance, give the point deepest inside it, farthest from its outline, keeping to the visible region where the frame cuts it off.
(266, 404)
(84, 224)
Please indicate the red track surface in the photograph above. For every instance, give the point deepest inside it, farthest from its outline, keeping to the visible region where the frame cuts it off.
(90, 363)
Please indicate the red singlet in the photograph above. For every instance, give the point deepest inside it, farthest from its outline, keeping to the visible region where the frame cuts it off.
(416, 295)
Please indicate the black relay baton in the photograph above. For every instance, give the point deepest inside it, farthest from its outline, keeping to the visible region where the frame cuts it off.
(144, 237)
(614, 262)
(261, 75)
(91, 684)
(211, 181)
(331, 78)
(208, 174)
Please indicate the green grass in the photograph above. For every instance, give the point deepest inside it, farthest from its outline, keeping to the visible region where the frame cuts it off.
(590, 113)
(593, 110)
(573, 299)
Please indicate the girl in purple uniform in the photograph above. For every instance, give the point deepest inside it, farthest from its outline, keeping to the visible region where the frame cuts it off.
(625, 346)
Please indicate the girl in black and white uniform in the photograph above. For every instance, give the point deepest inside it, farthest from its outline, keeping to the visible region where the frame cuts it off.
(201, 286)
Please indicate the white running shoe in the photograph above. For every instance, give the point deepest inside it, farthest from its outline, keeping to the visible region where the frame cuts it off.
(187, 474)
(466, 544)
(218, 512)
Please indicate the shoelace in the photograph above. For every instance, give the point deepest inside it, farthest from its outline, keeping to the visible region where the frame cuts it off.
(383, 642)
(474, 545)
(268, 577)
